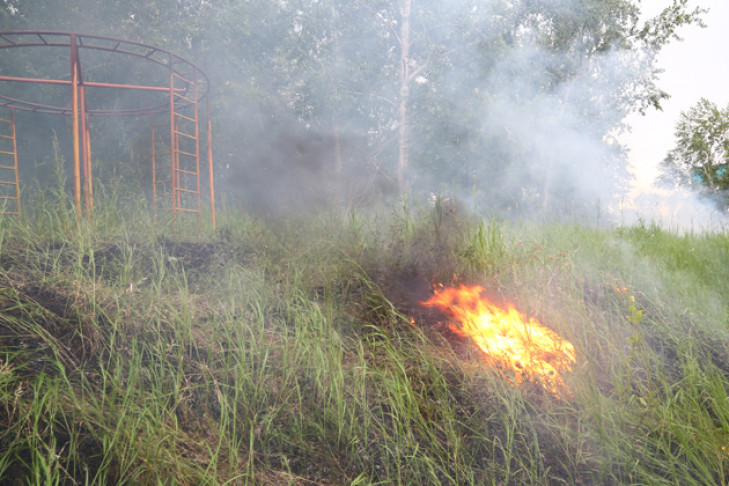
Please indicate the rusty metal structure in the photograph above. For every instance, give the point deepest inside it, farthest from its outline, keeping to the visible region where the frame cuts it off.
(171, 102)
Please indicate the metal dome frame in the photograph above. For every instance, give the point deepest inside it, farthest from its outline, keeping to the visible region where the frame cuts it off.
(175, 161)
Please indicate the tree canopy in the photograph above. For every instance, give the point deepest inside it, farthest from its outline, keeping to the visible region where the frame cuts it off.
(512, 102)
(700, 156)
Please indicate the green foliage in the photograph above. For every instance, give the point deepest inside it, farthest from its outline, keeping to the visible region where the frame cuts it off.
(701, 152)
(327, 72)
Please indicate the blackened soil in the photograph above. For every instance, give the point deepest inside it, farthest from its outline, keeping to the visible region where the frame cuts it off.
(43, 326)
(199, 255)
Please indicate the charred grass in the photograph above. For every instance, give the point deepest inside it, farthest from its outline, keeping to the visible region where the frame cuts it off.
(295, 351)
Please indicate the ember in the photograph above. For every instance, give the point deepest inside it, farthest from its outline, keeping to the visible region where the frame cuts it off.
(510, 342)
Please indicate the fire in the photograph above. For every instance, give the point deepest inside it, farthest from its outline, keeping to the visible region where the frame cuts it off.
(510, 342)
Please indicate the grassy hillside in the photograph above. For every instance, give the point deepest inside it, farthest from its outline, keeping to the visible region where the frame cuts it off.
(295, 351)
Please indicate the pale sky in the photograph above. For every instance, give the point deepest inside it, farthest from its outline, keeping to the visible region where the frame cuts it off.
(694, 68)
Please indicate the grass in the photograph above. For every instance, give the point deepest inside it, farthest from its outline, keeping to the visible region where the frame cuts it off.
(294, 351)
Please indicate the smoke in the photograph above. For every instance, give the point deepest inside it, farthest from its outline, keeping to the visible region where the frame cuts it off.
(297, 169)
(305, 105)
(496, 119)
(545, 142)
(677, 209)
(557, 159)
(533, 129)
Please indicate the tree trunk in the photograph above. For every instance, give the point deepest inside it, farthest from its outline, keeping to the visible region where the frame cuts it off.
(335, 90)
(403, 141)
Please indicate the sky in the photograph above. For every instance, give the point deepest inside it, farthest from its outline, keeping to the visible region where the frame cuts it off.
(693, 68)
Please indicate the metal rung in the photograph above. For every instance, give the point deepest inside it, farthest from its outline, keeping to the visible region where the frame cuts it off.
(189, 100)
(7, 167)
(6, 121)
(184, 79)
(185, 117)
(188, 172)
(7, 153)
(189, 191)
(188, 210)
(186, 153)
(191, 137)
(8, 197)
(6, 136)
(8, 182)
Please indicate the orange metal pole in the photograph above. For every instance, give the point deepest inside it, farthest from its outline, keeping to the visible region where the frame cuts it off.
(173, 147)
(74, 117)
(129, 86)
(34, 80)
(15, 160)
(197, 146)
(90, 181)
(87, 83)
(210, 158)
(86, 166)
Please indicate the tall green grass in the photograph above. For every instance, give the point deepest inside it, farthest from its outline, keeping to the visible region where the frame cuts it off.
(294, 351)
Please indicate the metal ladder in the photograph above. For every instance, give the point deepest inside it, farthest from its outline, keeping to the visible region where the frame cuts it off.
(185, 153)
(176, 150)
(9, 184)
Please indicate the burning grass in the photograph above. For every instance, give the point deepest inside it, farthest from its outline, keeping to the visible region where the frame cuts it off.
(520, 347)
(284, 353)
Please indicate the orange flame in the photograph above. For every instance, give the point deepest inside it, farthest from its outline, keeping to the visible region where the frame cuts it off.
(510, 342)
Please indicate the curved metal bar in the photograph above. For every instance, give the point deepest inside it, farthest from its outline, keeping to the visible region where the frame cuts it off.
(48, 38)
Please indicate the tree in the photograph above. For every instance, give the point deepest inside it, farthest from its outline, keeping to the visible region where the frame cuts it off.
(572, 71)
(701, 152)
(577, 65)
(405, 75)
(429, 95)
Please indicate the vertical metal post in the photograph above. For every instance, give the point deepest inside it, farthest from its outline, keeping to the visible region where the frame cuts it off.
(75, 120)
(197, 144)
(210, 157)
(173, 148)
(85, 143)
(90, 179)
(15, 161)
